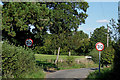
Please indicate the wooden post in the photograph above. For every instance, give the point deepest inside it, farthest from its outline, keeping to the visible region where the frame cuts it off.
(57, 55)
(69, 53)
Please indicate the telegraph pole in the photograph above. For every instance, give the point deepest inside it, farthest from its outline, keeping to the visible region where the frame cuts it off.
(119, 15)
(90, 34)
(107, 36)
(119, 12)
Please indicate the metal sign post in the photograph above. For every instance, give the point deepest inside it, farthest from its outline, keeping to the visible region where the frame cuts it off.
(99, 46)
(99, 60)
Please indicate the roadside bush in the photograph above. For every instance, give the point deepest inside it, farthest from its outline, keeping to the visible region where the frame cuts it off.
(95, 55)
(70, 60)
(16, 61)
(105, 74)
(107, 56)
(117, 60)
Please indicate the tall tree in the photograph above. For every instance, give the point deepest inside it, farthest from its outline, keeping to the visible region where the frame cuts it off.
(99, 35)
(115, 28)
(66, 17)
(78, 42)
(17, 17)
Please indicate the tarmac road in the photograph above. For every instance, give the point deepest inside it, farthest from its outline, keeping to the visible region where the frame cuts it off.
(73, 74)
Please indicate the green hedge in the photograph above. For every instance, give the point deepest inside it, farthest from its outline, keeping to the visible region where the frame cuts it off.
(95, 55)
(16, 61)
(107, 55)
(117, 60)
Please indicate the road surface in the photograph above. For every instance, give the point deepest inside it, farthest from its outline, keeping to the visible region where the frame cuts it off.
(74, 74)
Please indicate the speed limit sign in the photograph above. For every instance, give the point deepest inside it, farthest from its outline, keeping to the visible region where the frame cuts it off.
(29, 42)
(99, 46)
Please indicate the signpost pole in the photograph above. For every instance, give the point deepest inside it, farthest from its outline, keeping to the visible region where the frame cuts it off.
(99, 60)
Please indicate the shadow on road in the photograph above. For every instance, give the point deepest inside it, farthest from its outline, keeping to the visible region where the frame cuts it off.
(65, 79)
(48, 67)
(94, 68)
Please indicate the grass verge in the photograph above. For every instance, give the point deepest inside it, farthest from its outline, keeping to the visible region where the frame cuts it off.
(105, 74)
(43, 61)
(48, 57)
(38, 73)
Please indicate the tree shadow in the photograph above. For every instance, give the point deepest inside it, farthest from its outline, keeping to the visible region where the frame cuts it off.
(47, 66)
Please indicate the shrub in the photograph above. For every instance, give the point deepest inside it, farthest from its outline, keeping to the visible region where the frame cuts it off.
(70, 59)
(16, 61)
(117, 60)
(95, 55)
(105, 74)
(107, 56)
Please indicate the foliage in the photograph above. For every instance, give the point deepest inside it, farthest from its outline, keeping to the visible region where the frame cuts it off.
(57, 17)
(99, 35)
(107, 55)
(17, 16)
(105, 74)
(70, 60)
(115, 28)
(78, 42)
(38, 73)
(84, 47)
(66, 17)
(95, 55)
(42, 50)
(16, 61)
(117, 59)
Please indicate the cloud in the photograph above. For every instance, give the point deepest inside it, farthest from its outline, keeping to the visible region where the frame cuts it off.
(87, 29)
(102, 21)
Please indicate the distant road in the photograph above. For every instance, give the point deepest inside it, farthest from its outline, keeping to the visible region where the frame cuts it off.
(75, 74)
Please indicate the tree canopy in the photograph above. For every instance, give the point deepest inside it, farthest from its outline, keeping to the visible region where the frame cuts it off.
(57, 17)
(99, 35)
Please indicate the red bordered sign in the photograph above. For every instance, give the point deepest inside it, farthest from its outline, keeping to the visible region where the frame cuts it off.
(29, 42)
(99, 46)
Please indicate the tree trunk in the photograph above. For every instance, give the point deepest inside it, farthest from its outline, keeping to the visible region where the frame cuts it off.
(69, 53)
(57, 55)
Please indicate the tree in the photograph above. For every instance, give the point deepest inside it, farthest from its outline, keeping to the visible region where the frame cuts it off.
(107, 56)
(99, 35)
(115, 28)
(66, 18)
(78, 42)
(17, 17)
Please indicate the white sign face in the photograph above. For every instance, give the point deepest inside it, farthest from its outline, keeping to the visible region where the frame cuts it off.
(29, 42)
(99, 46)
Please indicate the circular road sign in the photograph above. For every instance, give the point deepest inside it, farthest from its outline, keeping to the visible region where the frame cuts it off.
(99, 46)
(29, 42)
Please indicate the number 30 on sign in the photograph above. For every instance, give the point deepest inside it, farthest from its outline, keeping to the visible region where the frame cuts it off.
(99, 46)
(29, 42)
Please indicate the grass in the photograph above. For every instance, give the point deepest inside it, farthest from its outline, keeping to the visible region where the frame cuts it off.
(105, 74)
(36, 74)
(41, 60)
(48, 57)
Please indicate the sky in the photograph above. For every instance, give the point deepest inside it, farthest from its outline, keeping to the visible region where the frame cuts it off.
(100, 12)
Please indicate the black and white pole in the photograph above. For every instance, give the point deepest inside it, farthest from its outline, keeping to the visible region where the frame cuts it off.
(99, 46)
